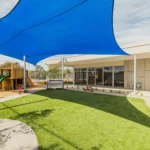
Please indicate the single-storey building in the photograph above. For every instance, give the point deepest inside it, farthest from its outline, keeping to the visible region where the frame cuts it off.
(111, 71)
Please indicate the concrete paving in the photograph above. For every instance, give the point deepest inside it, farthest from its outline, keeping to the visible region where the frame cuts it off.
(15, 135)
(31, 91)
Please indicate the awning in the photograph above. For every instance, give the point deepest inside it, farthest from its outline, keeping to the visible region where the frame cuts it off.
(42, 28)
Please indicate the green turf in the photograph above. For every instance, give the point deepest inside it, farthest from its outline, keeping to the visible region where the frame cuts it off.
(69, 120)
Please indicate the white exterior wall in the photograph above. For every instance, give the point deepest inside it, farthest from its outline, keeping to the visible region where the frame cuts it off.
(143, 73)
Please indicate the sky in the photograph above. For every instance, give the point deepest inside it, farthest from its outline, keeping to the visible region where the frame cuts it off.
(131, 22)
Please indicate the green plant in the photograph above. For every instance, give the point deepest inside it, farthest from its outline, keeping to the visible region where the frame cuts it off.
(91, 89)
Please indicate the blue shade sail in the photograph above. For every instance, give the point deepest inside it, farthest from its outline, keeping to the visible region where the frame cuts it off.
(42, 28)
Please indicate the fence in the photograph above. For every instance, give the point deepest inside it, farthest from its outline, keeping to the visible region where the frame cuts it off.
(45, 76)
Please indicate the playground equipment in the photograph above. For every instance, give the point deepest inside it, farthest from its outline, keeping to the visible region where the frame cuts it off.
(12, 77)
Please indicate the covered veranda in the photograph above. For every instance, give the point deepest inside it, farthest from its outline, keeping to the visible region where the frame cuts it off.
(133, 73)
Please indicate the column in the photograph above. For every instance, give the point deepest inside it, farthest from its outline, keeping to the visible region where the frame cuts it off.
(134, 74)
(24, 59)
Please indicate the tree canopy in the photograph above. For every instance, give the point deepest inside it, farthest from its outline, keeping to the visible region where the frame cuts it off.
(9, 64)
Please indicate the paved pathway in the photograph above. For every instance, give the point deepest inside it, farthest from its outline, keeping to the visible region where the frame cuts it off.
(20, 95)
(15, 135)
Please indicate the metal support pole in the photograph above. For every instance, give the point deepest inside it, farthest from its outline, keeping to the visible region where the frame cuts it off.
(24, 59)
(73, 76)
(87, 77)
(134, 74)
(113, 77)
(62, 67)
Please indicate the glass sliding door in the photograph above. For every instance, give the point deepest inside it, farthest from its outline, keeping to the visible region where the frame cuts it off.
(91, 76)
(83, 76)
(77, 76)
(99, 76)
(107, 76)
(119, 76)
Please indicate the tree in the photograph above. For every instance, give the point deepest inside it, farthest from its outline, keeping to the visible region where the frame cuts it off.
(54, 70)
(8, 65)
(40, 72)
(39, 68)
(67, 71)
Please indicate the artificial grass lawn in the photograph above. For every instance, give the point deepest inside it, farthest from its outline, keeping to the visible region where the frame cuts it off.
(69, 120)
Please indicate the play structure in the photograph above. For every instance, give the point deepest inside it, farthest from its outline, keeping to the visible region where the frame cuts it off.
(11, 78)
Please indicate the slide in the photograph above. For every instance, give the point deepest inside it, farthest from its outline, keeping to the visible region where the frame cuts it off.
(2, 78)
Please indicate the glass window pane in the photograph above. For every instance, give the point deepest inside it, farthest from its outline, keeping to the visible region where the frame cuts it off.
(77, 77)
(91, 78)
(83, 69)
(108, 76)
(83, 78)
(120, 68)
(91, 69)
(77, 69)
(107, 69)
(99, 76)
(119, 76)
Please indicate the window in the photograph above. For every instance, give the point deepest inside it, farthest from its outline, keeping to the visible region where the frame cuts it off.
(77, 77)
(83, 76)
(119, 76)
(91, 69)
(77, 70)
(99, 76)
(108, 76)
(91, 76)
(83, 70)
(80, 76)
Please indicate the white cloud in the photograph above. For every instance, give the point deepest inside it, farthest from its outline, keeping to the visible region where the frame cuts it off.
(131, 21)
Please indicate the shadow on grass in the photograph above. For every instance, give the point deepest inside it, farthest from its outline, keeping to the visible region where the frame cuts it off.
(39, 101)
(57, 146)
(31, 117)
(116, 105)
